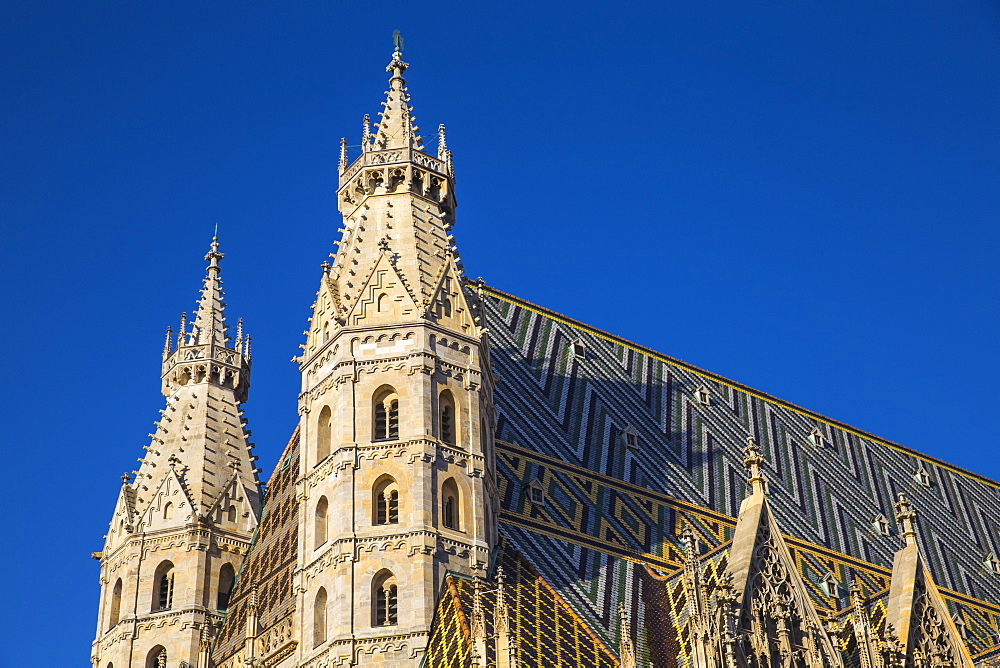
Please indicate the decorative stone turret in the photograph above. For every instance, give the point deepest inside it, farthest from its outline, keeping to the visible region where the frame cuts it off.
(181, 528)
(397, 421)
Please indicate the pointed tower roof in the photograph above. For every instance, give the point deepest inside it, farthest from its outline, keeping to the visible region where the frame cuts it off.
(210, 320)
(396, 129)
(200, 439)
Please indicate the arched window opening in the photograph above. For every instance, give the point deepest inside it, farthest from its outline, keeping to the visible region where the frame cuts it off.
(449, 504)
(386, 414)
(323, 429)
(227, 576)
(163, 587)
(168, 511)
(445, 308)
(446, 409)
(385, 596)
(116, 604)
(319, 526)
(319, 618)
(232, 513)
(386, 501)
(157, 657)
(383, 303)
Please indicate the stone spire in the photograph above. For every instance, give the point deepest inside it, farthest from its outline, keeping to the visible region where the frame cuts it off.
(201, 435)
(210, 321)
(396, 128)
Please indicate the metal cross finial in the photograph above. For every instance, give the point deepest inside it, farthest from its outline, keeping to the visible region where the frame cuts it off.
(125, 478)
(397, 42)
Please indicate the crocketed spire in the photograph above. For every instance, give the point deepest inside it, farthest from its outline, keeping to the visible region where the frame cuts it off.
(210, 321)
(396, 128)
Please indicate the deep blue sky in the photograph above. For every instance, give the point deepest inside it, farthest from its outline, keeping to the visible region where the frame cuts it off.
(800, 196)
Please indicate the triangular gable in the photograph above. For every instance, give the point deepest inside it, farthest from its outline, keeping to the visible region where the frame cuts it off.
(384, 297)
(170, 506)
(769, 587)
(232, 509)
(915, 609)
(122, 520)
(448, 305)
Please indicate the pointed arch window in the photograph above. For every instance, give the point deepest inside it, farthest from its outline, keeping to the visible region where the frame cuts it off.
(319, 523)
(319, 618)
(116, 604)
(232, 513)
(227, 577)
(323, 429)
(450, 507)
(385, 594)
(446, 422)
(157, 657)
(386, 498)
(386, 415)
(163, 587)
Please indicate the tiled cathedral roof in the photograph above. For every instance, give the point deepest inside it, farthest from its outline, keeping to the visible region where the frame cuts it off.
(610, 504)
(265, 579)
(548, 631)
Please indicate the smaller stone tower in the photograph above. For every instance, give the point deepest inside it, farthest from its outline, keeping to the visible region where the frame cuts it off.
(181, 528)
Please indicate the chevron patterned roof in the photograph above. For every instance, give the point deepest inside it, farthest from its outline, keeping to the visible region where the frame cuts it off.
(611, 504)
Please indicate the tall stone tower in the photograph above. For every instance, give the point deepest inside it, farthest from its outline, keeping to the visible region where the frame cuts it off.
(181, 528)
(397, 469)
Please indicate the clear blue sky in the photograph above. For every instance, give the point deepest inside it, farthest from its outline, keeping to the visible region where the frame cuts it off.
(800, 196)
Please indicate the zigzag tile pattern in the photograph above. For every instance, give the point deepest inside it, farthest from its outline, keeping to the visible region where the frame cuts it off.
(562, 418)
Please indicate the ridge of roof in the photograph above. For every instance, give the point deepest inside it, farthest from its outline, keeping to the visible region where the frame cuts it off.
(644, 350)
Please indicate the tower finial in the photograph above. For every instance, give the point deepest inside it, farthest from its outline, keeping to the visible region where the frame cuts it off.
(442, 144)
(904, 517)
(167, 342)
(752, 459)
(210, 323)
(397, 42)
(395, 128)
(343, 154)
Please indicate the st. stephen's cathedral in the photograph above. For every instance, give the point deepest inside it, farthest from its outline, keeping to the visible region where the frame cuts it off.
(476, 480)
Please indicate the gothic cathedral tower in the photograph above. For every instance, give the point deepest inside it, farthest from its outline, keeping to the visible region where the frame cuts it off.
(181, 528)
(397, 485)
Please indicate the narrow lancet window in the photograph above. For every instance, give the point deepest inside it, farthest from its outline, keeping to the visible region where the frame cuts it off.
(319, 526)
(227, 576)
(386, 415)
(386, 501)
(449, 505)
(385, 595)
(319, 618)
